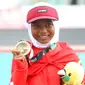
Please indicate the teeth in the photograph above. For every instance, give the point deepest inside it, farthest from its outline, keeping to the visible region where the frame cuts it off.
(43, 36)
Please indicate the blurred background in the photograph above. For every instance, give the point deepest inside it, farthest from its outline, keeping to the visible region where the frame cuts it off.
(13, 28)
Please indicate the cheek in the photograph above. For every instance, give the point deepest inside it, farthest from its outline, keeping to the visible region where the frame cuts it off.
(52, 32)
(34, 33)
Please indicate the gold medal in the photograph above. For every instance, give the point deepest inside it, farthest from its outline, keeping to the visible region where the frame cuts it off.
(23, 46)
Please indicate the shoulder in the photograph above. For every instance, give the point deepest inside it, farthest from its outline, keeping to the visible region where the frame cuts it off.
(64, 45)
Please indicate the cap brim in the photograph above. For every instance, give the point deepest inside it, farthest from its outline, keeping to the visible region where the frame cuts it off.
(42, 17)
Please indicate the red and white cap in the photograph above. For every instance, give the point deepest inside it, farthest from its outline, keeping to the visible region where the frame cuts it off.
(42, 12)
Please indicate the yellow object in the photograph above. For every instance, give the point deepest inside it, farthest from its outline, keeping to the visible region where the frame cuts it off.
(72, 74)
(23, 46)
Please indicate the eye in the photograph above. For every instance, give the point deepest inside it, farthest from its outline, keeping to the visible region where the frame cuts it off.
(49, 25)
(69, 74)
(35, 26)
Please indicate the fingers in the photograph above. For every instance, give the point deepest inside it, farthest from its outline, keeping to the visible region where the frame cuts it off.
(17, 55)
(15, 52)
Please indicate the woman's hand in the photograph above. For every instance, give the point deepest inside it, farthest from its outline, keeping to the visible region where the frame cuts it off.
(20, 59)
(17, 55)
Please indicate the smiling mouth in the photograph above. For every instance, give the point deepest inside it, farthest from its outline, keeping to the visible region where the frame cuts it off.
(44, 37)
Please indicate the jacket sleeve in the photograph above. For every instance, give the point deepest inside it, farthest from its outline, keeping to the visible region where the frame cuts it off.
(19, 72)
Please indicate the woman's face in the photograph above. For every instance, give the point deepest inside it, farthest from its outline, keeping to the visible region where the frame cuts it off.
(42, 30)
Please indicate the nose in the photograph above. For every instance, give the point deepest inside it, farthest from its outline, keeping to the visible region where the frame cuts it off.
(43, 29)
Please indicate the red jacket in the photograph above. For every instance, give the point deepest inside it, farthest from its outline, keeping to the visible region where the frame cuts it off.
(44, 71)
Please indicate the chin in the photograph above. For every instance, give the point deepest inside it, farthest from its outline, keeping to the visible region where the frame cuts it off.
(44, 42)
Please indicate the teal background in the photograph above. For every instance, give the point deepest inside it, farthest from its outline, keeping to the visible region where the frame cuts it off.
(5, 66)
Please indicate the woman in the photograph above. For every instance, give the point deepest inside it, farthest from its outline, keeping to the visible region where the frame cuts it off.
(49, 55)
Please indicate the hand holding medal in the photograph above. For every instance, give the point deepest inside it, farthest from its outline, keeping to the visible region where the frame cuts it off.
(22, 48)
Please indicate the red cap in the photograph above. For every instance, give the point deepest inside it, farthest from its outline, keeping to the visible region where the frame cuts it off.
(42, 12)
